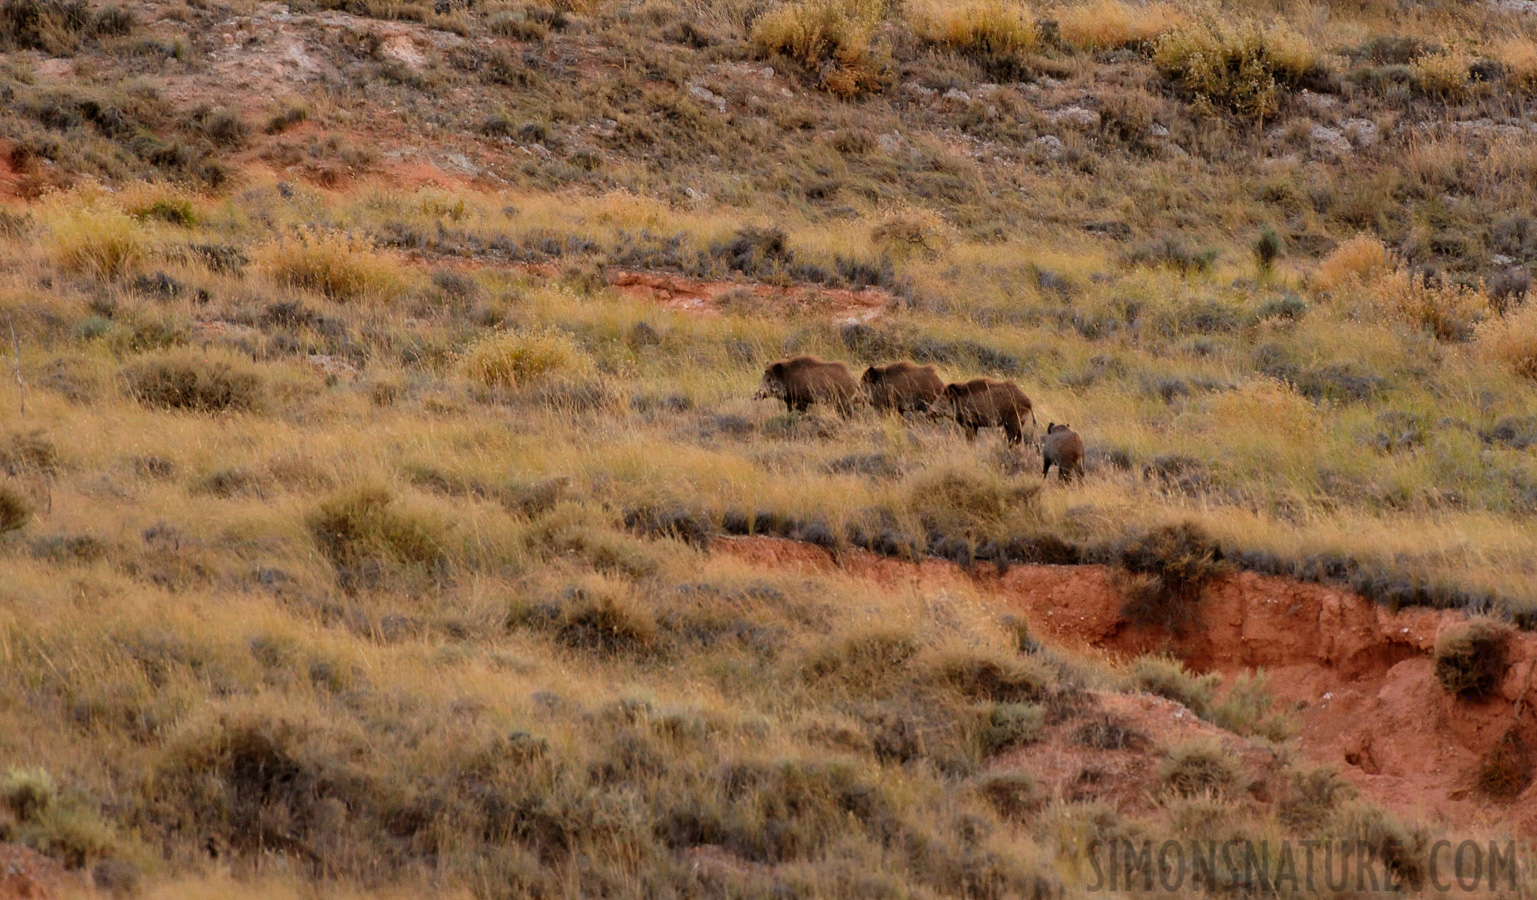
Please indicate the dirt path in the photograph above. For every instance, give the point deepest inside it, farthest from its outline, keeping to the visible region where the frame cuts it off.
(1360, 677)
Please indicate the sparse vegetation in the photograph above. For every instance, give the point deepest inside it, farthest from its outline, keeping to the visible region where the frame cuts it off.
(389, 509)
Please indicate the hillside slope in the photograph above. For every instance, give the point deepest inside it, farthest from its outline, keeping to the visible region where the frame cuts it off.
(377, 452)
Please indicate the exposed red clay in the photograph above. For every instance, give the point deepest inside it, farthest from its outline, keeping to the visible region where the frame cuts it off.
(1359, 676)
(28, 875)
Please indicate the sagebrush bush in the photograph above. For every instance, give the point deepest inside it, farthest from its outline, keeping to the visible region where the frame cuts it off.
(96, 239)
(1511, 341)
(1010, 725)
(984, 28)
(1200, 767)
(365, 523)
(1112, 24)
(194, 382)
(1470, 658)
(1167, 677)
(1246, 709)
(15, 510)
(834, 39)
(512, 359)
(1243, 70)
(1312, 798)
(1168, 568)
(339, 266)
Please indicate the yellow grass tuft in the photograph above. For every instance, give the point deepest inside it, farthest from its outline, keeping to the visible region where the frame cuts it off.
(1444, 74)
(834, 38)
(976, 26)
(95, 239)
(509, 359)
(1352, 263)
(1511, 341)
(339, 266)
(1519, 57)
(1112, 24)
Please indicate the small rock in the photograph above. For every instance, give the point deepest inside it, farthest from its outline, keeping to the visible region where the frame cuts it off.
(1074, 114)
(1361, 132)
(1049, 144)
(1158, 130)
(957, 95)
(1329, 140)
(705, 95)
(922, 91)
(767, 71)
(890, 142)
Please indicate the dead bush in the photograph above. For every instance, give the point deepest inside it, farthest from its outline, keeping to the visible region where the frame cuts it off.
(194, 383)
(15, 510)
(1506, 770)
(1165, 572)
(1470, 658)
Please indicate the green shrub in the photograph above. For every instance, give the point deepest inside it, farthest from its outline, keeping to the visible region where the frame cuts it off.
(1246, 710)
(1312, 799)
(171, 210)
(1010, 725)
(1241, 71)
(195, 383)
(1200, 767)
(1470, 658)
(1168, 678)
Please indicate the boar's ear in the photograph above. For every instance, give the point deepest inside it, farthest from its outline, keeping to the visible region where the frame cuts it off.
(1050, 427)
(777, 368)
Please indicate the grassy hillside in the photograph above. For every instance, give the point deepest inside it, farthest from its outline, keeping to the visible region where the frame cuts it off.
(382, 375)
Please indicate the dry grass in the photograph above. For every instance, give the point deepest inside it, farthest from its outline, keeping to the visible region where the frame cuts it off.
(510, 359)
(1112, 24)
(1511, 342)
(832, 39)
(1470, 658)
(1244, 70)
(1442, 74)
(1519, 57)
(338, 266)
(96, 239)
(1352, 263)
(983, 27)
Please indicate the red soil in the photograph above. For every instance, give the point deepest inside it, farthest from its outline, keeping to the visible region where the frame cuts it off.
(28, 875)
(1360, 677)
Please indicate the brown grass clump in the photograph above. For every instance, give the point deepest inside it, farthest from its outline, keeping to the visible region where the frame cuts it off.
(1200, 767)
(1511, 341)
(834, 39)
(1112, 24)
(1506, 770)
(96, 239)
(1164, 572)
(194, 383)
(337, 265)
(980, 27)
(15, 510)
(1470, 658)
(511, 359)
(1013, 795)
(605, 621)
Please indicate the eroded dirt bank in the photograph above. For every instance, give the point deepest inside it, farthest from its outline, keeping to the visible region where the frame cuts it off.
(1360, 676)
